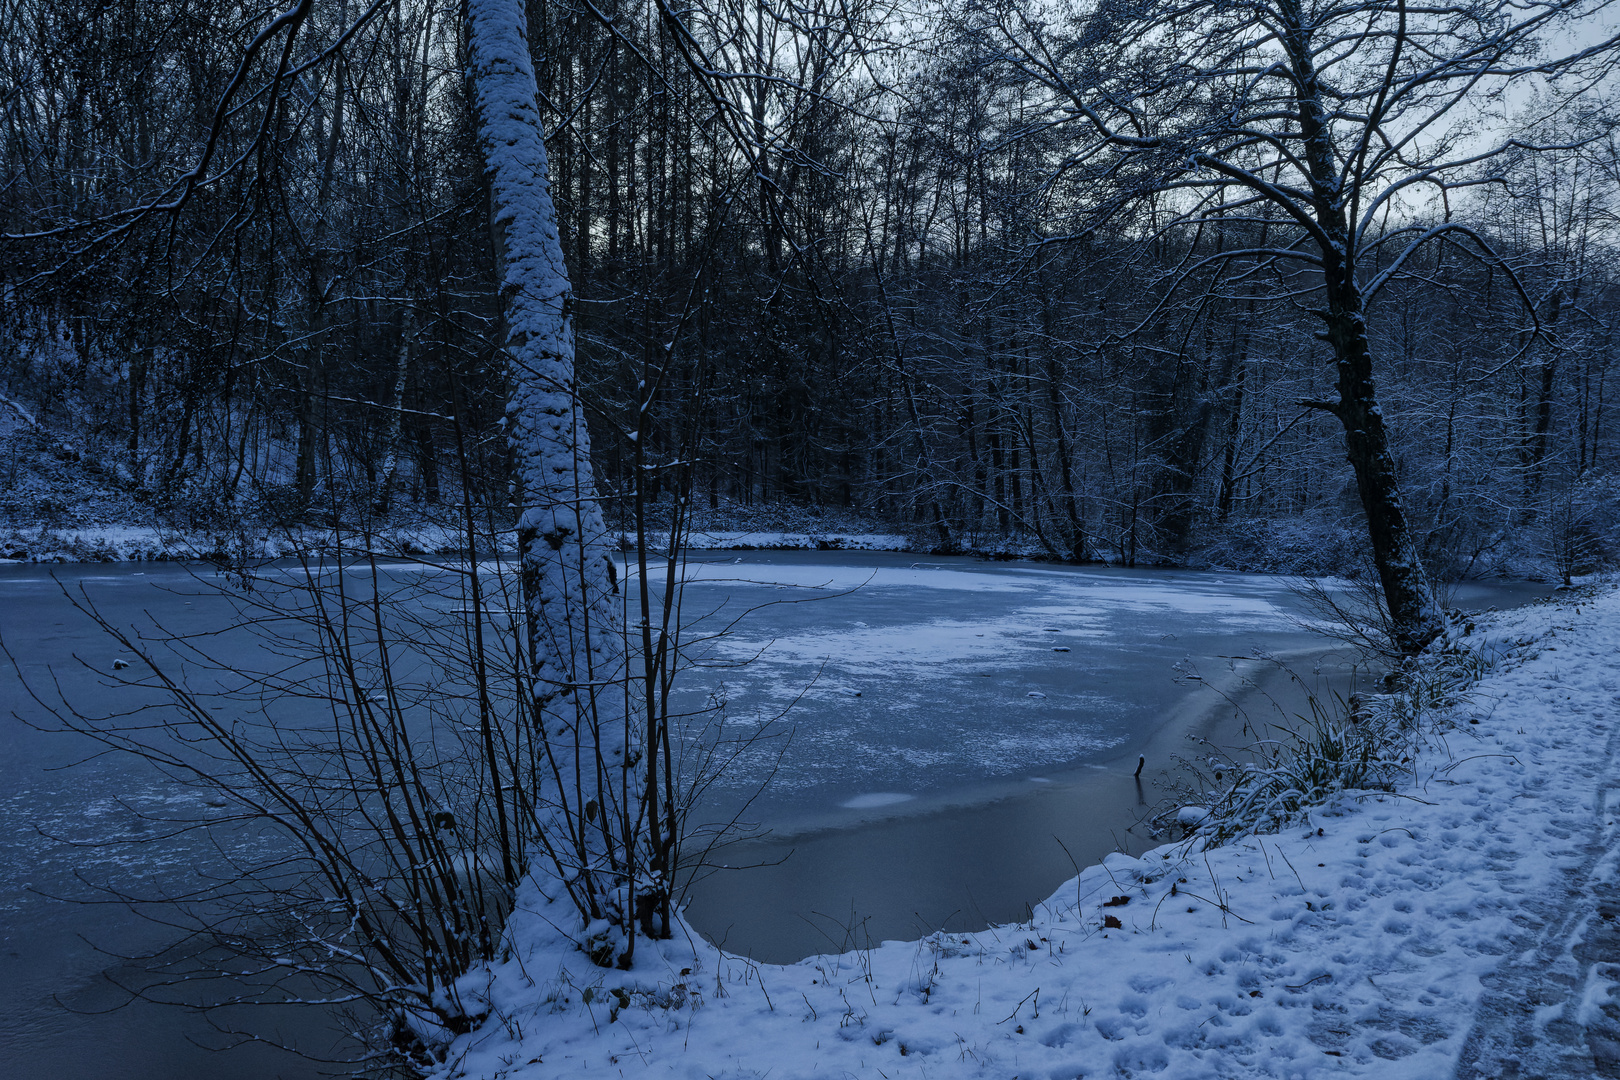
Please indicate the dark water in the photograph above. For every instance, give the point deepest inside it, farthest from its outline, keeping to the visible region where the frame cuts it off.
(949, 718)
(980, 855)
(72, 822)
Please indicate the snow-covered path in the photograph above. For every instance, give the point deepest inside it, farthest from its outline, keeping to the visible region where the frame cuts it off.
(1547, 1010)
(1463, 926)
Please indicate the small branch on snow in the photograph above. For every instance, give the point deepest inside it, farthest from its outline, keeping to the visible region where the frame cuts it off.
(1036, 994)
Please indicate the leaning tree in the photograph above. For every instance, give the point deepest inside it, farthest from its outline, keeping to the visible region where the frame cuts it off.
(1334, 134)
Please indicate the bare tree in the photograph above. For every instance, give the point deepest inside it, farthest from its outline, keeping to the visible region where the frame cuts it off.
(1357, 124)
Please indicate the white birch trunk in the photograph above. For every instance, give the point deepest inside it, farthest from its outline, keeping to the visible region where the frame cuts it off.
(574, 627)
(384, 498)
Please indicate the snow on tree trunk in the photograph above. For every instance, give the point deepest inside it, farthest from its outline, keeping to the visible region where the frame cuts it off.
(575, 635)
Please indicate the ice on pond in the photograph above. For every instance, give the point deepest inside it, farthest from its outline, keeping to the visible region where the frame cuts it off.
(875, 799)
(950, 692)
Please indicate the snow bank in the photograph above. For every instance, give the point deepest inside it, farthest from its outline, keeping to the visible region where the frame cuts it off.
(121, 543)
(136, 543)
(775, 539)
(1359, 942)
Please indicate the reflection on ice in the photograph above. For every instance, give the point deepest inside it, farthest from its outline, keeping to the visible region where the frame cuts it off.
(875, 800)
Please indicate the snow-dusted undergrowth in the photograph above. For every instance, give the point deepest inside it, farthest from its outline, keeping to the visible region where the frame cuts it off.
(1368, 742)
(1357, 941)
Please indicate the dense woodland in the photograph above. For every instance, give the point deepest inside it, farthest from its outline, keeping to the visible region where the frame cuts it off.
(895, 262)
(1282, 284)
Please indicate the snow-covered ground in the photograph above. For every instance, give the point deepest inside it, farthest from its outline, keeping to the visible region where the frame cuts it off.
(1461, 925)
(140, 543)
(810, 540)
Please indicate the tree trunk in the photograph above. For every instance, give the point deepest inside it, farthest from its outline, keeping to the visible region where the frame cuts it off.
(575, 640)
(140, 364)
(925, 476)
(1415, 617)
(1533, 456)
(1238, 352)
(383, 496)
(1069, 501)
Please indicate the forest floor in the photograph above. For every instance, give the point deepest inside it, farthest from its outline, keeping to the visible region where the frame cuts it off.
(1464, 924)
(62, 502)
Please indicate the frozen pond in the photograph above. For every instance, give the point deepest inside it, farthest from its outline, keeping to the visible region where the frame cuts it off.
(964, 732)
(949, 717)
(919, 678)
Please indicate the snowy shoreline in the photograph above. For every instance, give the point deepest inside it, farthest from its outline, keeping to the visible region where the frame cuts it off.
(1288, 554)
(1438, 930)
(103, 544)
(878, 861)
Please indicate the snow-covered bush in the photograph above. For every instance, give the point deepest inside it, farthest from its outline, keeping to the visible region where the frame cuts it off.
(1582, 531)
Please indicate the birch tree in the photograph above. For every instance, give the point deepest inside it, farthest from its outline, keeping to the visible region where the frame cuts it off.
(593, 819)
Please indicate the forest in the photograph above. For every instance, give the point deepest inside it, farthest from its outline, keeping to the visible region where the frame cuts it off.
(1044, 278)
(1301, 286)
